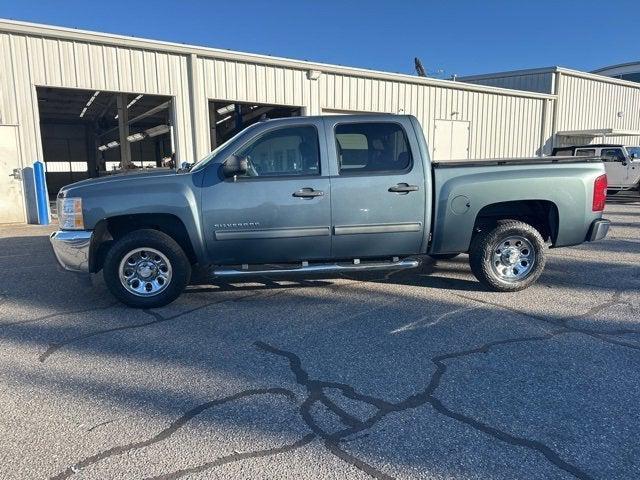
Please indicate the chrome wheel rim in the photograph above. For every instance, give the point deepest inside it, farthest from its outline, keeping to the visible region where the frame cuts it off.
(145, 272)
(513, 259)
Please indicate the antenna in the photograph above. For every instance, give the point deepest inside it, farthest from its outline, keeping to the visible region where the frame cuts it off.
(419, 68)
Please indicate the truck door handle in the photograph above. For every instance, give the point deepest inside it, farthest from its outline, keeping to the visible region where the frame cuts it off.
(403, 188)
(308, 193)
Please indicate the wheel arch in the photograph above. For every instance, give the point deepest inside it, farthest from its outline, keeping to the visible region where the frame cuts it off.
(109, 230)
(541, 214)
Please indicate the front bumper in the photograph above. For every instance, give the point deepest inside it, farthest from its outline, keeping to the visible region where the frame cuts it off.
(72, 249)
(598, 229)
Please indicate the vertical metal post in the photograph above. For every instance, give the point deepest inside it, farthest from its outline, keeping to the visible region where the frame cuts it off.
(173, 145)
(213, 118)
(123, 129)
(238, 117)
(42, 196)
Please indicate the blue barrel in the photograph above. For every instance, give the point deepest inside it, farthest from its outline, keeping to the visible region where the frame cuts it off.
(42, 197)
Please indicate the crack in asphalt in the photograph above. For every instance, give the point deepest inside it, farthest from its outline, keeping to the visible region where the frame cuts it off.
(52, 315)
(353, 425)
(332, 441)
(158, 318)
(563, 322)
(236, 457)
(101, 424)
(54, 347)
(171, 429)
(421, 322)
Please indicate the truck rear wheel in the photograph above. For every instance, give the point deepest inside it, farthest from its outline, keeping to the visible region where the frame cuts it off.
(146, 269)
(509, 257)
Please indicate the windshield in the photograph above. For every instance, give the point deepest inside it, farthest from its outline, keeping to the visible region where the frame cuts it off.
(207, 158)
(634, 151)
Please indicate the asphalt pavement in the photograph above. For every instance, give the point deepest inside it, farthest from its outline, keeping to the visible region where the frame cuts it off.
(419, 374)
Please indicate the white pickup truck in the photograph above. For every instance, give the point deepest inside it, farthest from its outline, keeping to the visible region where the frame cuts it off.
(622, 163)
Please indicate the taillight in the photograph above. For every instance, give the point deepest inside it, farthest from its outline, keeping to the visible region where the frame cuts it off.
(599, 193)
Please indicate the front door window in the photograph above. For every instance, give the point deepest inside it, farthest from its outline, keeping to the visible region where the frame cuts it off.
(289, 151)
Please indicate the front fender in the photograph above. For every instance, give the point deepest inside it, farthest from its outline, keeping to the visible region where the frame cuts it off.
(177, 195)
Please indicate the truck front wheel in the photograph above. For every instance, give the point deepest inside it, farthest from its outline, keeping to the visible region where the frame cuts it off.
(146, 269)
(509, 257)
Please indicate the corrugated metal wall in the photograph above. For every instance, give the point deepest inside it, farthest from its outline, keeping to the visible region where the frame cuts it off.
(541, 82)
(588, 102)
(222, 79)
(30, 61)
(500, 125)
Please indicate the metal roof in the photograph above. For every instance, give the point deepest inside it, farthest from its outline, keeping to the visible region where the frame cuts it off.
(599, 132)
(568, 71)
(50, 31)
(619, 65)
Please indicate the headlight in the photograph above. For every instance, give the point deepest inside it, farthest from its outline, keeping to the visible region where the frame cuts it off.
(70, 214)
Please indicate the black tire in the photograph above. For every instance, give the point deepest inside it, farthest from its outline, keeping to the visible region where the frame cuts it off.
(443, 256)
(485, 243)
(179, 265)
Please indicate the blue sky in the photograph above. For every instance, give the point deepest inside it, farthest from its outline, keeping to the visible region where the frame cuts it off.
(458, 37)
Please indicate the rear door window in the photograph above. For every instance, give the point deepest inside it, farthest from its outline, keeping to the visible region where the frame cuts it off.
(364, 148)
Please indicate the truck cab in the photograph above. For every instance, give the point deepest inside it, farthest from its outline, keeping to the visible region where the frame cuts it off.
(317, 188)
(622, 163)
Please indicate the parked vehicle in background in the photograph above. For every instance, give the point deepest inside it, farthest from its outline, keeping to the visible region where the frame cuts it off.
(321, 195)
(622, 163)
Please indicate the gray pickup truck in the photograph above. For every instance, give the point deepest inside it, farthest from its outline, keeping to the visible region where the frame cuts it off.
(323, 195)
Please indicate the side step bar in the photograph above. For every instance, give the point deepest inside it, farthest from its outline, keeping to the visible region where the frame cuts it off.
(318, 268)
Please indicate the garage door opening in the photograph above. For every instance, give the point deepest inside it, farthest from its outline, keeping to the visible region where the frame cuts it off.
(91, 133)
(228, 118)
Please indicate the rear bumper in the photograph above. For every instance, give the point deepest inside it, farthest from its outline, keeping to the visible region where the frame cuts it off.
(598, 230)
(71, 249)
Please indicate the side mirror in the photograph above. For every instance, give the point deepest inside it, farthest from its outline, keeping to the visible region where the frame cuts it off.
(634, 156)
(234, 166)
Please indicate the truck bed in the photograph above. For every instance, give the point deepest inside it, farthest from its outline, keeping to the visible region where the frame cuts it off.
(513, 161)
(462, 189)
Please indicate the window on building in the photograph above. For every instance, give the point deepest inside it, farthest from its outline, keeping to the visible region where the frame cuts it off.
(283, 152)
(372, 147)
(612, 155)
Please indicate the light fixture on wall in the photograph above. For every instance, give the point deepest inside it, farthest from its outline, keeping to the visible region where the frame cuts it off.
(313, 74)
(620, 114)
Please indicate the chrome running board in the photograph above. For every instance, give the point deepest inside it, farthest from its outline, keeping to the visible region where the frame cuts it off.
(305, 268)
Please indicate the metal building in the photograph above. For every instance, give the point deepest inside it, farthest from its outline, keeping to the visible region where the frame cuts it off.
(625, 71)
(588, 107)
(86, 103)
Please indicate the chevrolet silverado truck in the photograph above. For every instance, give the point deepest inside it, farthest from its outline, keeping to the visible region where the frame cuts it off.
(322, 195)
